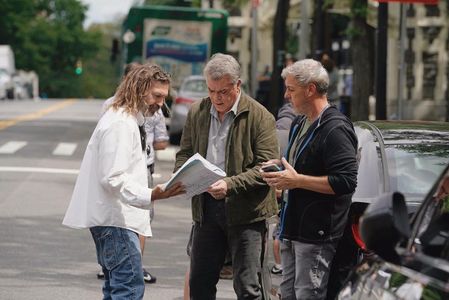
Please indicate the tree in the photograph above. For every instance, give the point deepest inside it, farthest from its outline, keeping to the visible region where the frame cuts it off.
(235, 2)
(169, 2)
(47, 36)
(361, 37)
(362, 48)
(15, 15)
(279, 46)
(101, 77)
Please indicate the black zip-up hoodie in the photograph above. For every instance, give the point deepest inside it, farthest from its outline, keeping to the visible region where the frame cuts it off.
(312, 217)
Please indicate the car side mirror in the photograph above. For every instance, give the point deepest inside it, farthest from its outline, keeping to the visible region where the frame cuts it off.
(384, 223)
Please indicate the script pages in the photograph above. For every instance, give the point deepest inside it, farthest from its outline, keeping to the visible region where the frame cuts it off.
(196, 174)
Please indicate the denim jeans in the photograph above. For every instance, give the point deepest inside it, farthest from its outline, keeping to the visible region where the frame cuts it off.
(212, 239)
(305, 269)
(118, 253)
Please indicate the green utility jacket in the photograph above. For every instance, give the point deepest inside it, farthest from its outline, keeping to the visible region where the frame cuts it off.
(251, 141)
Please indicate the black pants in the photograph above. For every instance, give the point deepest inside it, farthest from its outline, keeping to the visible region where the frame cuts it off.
(247, 245)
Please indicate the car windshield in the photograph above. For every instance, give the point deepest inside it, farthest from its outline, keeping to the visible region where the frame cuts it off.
(195, 86)
(413, 168)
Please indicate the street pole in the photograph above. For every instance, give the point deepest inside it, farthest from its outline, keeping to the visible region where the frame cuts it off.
(319, 34)
(402, 70)
(279, 42)
(254, 52)
(304, 38)
(381, 61)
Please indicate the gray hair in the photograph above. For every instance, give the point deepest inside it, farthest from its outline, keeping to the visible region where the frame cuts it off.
(221, 65)
(309, 71)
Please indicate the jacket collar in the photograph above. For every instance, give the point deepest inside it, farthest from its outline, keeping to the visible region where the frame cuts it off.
(243, 105)
(204, 118)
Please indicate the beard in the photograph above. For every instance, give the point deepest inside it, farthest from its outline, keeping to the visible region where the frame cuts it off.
(152, 109)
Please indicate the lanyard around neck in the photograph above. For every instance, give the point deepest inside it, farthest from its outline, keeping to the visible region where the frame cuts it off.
(308, 139)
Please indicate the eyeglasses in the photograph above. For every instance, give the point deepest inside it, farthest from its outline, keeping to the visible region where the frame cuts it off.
(222, 92)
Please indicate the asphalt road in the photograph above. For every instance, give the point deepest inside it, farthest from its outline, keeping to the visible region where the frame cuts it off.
(41, 148)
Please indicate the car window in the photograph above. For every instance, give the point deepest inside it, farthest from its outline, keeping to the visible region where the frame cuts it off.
(414, 168)
(431, 234)
(195, 86)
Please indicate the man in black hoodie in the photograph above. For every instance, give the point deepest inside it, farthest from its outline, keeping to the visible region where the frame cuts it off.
(319, 177)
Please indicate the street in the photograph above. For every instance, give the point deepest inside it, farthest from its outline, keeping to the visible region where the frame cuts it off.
(353, 94)
(41, 147)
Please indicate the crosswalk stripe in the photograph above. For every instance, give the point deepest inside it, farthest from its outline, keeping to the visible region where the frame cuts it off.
(65, 149)
(39, 170)
(12, 146)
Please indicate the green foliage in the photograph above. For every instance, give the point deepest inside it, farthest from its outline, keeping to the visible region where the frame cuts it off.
(397, 279)
(196, 3)
(47, 36)
(353, 32)
(237, 3)
(292, 43)
(168, 2)
(100, 77)
(328, 4)
(359, 8)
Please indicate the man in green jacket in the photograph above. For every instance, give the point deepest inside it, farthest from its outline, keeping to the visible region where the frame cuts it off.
(236, 133)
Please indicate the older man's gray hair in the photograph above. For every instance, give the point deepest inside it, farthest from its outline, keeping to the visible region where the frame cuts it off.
(221, 65)
(308, 71)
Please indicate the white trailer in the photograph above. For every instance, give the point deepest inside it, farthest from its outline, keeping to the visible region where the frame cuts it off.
(7, 70)
(7, 61)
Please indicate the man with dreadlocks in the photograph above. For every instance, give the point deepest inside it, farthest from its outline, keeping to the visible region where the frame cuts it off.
(111, 192)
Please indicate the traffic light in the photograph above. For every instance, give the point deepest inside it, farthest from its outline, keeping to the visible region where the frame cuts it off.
(79, 67)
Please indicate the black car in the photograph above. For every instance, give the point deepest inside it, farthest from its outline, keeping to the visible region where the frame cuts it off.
(404, 156)
(410, 262)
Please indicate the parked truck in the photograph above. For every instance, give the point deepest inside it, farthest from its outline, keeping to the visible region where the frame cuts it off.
(179, 39)
(7, 71)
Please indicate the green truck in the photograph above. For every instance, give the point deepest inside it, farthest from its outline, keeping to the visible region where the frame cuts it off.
(179, 39)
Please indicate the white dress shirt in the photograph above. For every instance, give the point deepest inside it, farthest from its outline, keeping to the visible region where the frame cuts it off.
(218, 134)
(156, 132)
(111, 188)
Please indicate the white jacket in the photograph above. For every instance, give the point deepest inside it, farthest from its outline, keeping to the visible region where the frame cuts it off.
(111, 188)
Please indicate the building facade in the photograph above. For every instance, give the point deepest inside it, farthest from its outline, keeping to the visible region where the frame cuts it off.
(426, 86)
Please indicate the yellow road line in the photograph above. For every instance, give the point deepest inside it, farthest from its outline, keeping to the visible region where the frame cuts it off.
(35, 115)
